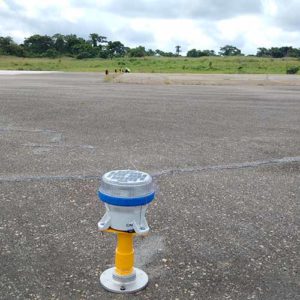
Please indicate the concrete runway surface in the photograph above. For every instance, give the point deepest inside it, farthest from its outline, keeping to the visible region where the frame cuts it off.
(226, 162)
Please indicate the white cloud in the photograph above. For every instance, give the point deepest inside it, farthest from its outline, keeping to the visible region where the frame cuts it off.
(160, 24)
(270, 7)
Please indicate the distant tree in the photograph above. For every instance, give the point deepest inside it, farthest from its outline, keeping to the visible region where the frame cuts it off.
(150, 52)
(9, 47)
(115, 49)
(38, 44)
(5, 42)
(178, 50)
(94, 39)
(192, 53)
(139, 51)
(159, 52)
(72, 43)
(17, 50)
(229, 50)
(104, 53)
(102, 40)
(278, 52)
(59, 43)
(84, 48)
(209, 53)
(261, 52)
(286, 50)
(293, 52)
(168, 54)
(199, 53)
(162, 53)
(97, 40)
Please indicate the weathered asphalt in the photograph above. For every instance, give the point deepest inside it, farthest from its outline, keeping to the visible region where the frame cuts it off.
(226, 159)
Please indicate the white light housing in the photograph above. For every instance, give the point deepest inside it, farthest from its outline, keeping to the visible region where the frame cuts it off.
(126, 194)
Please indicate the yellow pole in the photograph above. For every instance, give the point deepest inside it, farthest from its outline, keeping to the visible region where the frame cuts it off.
(124, 259)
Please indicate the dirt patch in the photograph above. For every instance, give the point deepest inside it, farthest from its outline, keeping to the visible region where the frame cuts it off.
(208, 79)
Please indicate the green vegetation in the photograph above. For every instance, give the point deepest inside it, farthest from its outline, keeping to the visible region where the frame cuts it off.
(97, 46)
(292, 70)
(97, 54)
(71, 45)
(214, 64)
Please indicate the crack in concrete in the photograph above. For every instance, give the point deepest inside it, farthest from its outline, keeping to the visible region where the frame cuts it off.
(46, 178)
(26, 130)
(32, 145)
(232, 166)
(169, 172)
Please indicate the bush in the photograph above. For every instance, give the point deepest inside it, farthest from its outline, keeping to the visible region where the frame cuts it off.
(292, 70)
(83, 55)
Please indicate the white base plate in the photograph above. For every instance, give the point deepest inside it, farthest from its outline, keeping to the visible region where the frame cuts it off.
(112, 285)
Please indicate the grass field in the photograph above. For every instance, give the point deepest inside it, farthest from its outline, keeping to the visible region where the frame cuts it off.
(221, 65)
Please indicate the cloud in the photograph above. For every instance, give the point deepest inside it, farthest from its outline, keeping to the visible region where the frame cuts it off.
(50, 17)
(159, 24)
(182, 9)
(286, 14)
(135, 37)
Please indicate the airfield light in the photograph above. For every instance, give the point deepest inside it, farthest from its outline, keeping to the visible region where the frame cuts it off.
(126, 195)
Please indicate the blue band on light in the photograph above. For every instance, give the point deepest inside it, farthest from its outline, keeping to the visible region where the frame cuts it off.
(126, 201)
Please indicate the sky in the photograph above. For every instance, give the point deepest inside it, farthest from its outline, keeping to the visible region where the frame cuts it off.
(160, 24)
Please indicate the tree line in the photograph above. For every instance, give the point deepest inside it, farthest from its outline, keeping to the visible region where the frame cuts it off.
(72, 45)
(228, 50)
(98, 46)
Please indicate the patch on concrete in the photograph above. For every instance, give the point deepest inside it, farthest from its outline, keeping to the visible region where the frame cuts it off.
(148, 249)
(208, 79)
(13, 72)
